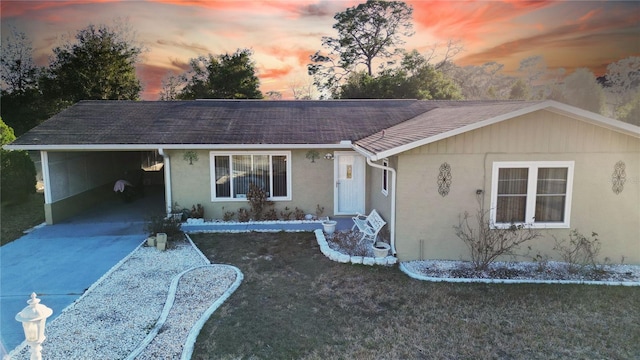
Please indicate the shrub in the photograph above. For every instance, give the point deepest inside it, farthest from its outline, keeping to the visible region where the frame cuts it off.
(159, 223)
(228, 216)
(485, 243)
(18, 176)
(17, 171)
(286, 213)
(579, 251)
(243, 215)
(258, 201)
(299, 214)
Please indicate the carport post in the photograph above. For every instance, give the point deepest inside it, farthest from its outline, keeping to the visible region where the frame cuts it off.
(167, 180)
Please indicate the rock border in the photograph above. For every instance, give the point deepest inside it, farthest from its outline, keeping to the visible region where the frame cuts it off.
(345, 258)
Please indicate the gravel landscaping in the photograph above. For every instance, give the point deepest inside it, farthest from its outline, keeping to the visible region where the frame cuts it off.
(113, 317)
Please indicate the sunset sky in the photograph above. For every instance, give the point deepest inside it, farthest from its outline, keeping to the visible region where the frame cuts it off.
(282, 34)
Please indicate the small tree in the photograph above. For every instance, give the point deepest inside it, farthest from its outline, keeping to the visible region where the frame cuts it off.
(18, 173)
(486, 243)
(226, 76)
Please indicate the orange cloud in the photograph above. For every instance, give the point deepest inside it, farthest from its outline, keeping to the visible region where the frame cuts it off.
(302, 55)
(25, 8)
(468, 20)
(275, 73)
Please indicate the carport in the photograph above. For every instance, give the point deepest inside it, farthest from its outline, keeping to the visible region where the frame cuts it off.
(76, 180)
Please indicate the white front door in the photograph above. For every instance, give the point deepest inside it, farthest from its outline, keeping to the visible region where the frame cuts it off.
(349, 168)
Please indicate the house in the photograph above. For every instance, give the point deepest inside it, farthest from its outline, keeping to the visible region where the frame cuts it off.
(421, 164)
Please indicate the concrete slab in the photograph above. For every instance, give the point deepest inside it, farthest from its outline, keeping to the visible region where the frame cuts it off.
(59, 262)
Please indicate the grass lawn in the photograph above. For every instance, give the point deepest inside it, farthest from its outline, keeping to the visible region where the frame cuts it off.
(296, 304)
(16, 218)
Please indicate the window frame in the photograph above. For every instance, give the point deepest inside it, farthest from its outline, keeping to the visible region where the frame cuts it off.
(532, 180)
(385, 178)
(230, 154)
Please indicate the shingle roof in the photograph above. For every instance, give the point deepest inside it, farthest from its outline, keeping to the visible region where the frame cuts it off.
(436, 122)
(221, 122)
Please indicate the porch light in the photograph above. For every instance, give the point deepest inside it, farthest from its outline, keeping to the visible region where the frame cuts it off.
(33, 319)
(328, 156)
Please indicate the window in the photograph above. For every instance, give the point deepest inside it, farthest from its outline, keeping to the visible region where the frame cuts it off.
(232, 173)
(536, 193)
(385, 177)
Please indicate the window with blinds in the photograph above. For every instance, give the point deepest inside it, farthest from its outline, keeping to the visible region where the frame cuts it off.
(535, 193)
(233, 173)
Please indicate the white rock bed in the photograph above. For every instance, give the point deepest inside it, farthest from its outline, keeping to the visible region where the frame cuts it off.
(523, 272)
(115, 315)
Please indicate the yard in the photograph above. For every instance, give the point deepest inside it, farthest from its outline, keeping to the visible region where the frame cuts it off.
(16, 218)
(295, 303)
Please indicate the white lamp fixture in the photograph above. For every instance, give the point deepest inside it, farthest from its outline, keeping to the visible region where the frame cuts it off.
(328, 156)
(33, 319)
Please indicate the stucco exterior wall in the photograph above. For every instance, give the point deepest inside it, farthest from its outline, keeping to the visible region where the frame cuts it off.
(425, 219)
(312, 184)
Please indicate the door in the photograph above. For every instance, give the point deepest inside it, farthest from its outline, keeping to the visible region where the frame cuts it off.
(349, 174)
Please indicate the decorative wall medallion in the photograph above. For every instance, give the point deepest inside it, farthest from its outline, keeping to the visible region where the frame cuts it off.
(619, 177)
(312, 155)
(444, 179)
(190, 156)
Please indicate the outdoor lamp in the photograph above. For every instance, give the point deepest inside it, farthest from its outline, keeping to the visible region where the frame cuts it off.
(328, 156)
(33, 319)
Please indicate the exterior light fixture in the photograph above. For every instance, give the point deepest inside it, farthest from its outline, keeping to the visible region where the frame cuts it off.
(33, 319)
(328, 156)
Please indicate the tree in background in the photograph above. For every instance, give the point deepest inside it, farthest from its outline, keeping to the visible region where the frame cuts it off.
(18, 71)
(21, 103)
(17, 171)
(581, 89)
(631, 111)
(623, 82)
(414, 79)
(170, 87)
(225, 76)
(98, 65)
(367, 32)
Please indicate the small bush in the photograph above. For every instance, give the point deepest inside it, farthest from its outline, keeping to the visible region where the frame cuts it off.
(579, 251)
(319, 211)
(286, 213)
(258, 201)
(17, 176)
(485, 243)
(271, 214)
(243, 215)
(228, 216)
(299, 214)
(159, 223)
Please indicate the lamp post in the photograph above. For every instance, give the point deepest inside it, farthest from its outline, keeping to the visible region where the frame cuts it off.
(33, 319)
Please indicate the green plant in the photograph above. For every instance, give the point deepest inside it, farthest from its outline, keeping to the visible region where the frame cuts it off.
(579, 251)
(243, 215)
(17, 171)
(258, 200)
(486, 243)
(159, 223)
(228, 215)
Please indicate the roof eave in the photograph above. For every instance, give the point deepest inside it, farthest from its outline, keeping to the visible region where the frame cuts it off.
(345, 144)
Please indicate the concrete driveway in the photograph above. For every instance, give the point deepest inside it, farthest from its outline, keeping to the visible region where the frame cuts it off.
(59, 262)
